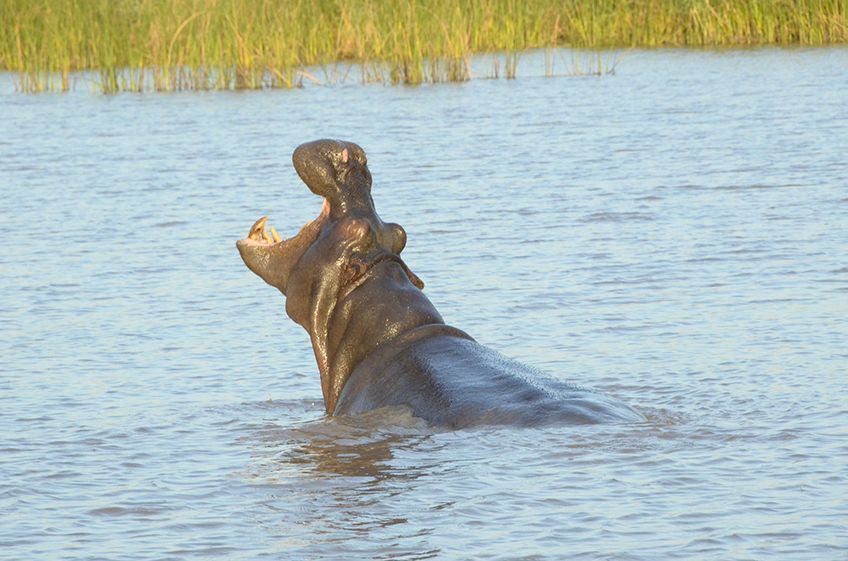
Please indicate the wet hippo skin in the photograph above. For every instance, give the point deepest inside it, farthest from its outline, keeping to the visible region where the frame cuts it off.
(377, 338)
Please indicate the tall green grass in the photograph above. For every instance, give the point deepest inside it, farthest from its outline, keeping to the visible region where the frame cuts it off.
(232, 44)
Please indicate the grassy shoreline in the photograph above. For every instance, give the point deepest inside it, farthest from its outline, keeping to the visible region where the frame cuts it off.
(139, 45)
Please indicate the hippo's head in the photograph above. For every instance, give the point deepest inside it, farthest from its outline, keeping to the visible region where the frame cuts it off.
(342, 274)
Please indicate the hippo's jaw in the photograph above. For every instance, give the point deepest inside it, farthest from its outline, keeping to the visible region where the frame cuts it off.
(342, 274)
(274, 259)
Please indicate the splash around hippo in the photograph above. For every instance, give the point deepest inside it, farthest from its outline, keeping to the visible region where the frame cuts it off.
(377, 339)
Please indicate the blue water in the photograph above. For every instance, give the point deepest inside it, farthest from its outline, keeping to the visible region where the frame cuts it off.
(674, 235)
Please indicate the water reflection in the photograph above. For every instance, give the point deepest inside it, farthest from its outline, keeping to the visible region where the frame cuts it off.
(360, 446)
(348, 481)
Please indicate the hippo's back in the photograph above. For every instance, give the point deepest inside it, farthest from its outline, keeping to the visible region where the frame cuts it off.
(456, 382)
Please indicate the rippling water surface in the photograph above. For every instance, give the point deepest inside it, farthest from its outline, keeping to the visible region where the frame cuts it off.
(674, 235)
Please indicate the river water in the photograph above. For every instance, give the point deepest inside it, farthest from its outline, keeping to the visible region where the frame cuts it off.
(674, 235)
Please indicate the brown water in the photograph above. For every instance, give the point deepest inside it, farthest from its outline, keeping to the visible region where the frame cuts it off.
(674, 236)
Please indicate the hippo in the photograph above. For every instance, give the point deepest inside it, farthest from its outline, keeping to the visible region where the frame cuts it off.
(377, 338)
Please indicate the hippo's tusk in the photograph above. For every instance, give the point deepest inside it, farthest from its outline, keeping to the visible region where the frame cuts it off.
(257, 228)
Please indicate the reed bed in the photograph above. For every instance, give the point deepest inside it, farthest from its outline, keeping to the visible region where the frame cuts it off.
(140, 45)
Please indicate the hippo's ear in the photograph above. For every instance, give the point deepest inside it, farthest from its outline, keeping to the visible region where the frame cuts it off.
(316, 163)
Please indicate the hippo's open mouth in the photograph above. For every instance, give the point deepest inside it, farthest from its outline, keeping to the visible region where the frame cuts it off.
(272, 258)
(258, 233)
(263, 234)
(264, 237)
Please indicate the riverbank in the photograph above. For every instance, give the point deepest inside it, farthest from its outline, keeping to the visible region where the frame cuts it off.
(169, 45)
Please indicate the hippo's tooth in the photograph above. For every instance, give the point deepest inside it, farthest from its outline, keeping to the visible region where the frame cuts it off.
(275, 235)
(257, 228)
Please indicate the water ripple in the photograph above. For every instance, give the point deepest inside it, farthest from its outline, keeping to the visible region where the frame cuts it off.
(673, 235)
